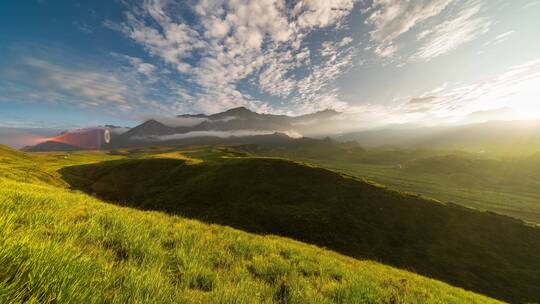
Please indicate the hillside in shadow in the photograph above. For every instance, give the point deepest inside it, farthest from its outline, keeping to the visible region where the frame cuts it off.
(484, 252)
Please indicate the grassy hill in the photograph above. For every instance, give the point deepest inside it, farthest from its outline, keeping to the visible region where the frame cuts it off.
(480, 251)
(63, 246)
(509, 186)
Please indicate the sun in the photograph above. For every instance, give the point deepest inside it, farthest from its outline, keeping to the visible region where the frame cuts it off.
(526, 100)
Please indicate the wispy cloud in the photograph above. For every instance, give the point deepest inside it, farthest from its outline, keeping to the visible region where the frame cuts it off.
(83, 27)
(449, 35)
(392, 18)
(503, 90)
(41, 80)
(147, 70)
(429, 27)
(314, 92)
(501, 38)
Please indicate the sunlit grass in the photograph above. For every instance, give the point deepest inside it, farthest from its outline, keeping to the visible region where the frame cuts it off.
(62, 246)
(65, 247)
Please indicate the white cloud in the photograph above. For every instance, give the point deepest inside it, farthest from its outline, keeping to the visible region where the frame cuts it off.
(273, 78)
(345, 41)
(80, 84)
(517, 88)
(501, 38)
(321, 13)
(171, 41)
(97, 88)
(386, 50)
(392, 18)
(143, 68)
(314, 90)
(451, 34)
(439, 26)
(233, 41)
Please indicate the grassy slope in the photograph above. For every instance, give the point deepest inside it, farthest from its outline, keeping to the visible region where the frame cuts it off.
(483, 252)
(62, 246)
(518, 201)
(505, 186)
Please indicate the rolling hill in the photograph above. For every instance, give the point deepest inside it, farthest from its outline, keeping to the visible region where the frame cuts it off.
(63, 246)
(505, 185)
(480, 251)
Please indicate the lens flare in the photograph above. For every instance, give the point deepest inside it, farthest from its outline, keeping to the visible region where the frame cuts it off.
(107, 136)
(88, 138)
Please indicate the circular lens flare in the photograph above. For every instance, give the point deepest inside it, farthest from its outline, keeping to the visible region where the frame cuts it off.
(107, 136)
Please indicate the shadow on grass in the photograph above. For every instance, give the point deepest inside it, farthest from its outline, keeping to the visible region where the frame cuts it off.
(483, 252)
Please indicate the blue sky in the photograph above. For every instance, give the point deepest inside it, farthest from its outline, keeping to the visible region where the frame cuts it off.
(82, 63)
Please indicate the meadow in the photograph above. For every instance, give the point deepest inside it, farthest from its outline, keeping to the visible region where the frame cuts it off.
(506, 185)
(479, 251)
(59, 245)
(519, 200)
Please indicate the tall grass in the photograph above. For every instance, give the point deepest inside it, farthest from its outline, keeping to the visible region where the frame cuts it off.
(62, 246)
(480, 251)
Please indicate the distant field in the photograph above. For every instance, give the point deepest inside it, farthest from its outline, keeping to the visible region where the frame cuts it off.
(514, 200)
(62, 246)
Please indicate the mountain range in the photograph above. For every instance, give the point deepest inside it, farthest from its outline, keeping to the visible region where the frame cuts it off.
(238, 125)
(237, 122)
(241, 126)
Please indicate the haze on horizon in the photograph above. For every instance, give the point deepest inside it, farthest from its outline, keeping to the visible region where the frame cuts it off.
(69, 64)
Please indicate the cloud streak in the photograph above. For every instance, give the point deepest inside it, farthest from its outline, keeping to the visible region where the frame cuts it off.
(451, 34)
(430, 27)
(392, 18)
(503, 90)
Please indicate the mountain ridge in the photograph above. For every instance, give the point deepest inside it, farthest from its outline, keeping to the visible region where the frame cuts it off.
(202, 125)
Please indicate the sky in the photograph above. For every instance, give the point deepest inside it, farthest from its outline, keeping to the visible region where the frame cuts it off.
(66, 64)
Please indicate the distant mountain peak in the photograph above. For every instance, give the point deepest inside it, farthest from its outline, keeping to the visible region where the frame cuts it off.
(239, 111)
(326, 113)
(151, 122)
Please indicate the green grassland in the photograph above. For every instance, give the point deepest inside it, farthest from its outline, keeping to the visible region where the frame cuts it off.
(480, 251)
(520, 200)
(509, 186)
(63, 246)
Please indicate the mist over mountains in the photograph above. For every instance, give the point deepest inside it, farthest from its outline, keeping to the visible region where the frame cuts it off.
(237, 125)
(20, 137)
(241, 125)
(497, 136)
(230, 121)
